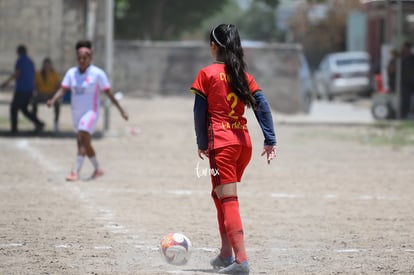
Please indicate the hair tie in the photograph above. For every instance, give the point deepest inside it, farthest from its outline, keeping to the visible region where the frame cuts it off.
(85, 50)
(215, 38)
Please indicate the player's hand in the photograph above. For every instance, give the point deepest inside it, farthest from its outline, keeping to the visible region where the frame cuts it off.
(270, 151)
(202, 152)
(49, 103)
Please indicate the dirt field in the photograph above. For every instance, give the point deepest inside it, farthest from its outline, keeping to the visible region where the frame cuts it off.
(332, 202)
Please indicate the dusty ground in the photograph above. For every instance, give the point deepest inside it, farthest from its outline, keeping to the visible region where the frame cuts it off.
(332, 203)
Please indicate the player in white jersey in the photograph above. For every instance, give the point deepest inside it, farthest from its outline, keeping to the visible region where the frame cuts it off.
(85, 88)
(85, 82)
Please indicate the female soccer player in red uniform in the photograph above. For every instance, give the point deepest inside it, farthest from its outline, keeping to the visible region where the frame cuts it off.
(222, 90)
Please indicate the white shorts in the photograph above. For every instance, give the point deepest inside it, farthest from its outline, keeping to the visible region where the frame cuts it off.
(86, 122)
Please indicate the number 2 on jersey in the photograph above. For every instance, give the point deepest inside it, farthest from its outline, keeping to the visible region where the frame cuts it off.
(232, 98)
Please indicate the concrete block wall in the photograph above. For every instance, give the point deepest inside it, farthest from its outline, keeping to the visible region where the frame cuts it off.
(48, 28)
(146, 69)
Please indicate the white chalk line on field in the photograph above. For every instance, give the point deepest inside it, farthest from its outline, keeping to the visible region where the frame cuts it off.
(213, 249)
(288, 196)
(6, 245)
(108, 215)
(103, 213)
(23, 145)
(335, 197)
(50, 166)
(277, 196)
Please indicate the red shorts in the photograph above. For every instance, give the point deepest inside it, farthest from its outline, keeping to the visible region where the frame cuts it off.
(227, 164)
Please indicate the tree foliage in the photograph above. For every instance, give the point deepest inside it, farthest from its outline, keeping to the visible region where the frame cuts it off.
(175, 19)
(258, 22)
(161, 19)
(325, 35)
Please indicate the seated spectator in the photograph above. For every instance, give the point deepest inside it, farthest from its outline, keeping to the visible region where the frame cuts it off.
(47, 82)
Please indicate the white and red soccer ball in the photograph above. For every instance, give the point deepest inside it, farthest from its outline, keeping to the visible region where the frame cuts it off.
(175, 248)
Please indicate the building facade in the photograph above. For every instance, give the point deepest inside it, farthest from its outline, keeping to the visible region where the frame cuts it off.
(48, 28)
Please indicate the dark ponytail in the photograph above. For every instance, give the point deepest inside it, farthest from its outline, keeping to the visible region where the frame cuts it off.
(231, 52)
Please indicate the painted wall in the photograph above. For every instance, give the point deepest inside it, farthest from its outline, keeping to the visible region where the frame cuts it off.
(47, 28)
(147, 69)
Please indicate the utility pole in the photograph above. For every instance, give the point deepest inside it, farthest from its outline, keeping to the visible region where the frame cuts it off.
(399, 69)
(109, 50)
(90, 34)
(91, 19)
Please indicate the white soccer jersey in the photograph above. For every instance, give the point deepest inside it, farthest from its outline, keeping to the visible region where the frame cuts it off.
(85, 92)
(85, 89)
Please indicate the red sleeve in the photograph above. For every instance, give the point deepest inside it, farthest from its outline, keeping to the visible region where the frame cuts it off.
(253, 86)
(200, 84)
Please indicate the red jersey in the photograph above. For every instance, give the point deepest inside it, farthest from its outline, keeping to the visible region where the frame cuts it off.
(226, 122)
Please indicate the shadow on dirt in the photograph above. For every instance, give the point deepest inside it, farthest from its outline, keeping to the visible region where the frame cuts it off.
(45, 134)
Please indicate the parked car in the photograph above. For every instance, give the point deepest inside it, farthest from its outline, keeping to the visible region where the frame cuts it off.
(344, 73)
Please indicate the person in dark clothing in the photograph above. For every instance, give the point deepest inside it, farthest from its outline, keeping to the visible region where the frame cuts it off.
(24, 76)
(407, 78)
(392, 70)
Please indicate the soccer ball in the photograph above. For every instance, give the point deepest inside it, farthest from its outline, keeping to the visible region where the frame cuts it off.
(175, 248)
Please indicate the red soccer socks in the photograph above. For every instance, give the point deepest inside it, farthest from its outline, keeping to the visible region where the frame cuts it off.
(226, 250)
(233, 226)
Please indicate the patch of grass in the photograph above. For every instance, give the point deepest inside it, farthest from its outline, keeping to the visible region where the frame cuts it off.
(4, 120)
(390, 133)
(396, 134)
(22, 122)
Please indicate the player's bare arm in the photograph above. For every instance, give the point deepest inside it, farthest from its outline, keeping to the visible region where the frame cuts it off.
(111, 97)
(56, 97)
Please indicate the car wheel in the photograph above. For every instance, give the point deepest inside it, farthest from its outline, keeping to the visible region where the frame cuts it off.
(381, 111)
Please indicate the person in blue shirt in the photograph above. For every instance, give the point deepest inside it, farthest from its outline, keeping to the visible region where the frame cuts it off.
(24, 77)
